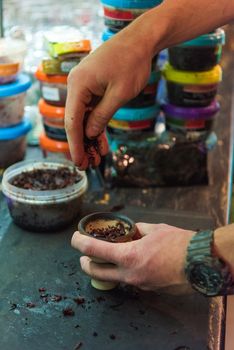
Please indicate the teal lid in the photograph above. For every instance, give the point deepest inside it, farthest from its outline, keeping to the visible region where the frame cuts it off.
(136, 114)
(13, 132)
(210, 39)
(20, 85)
(107, 34)
(154, 77)
(131, 4)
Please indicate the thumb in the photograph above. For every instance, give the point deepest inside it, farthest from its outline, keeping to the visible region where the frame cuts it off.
(101, 114)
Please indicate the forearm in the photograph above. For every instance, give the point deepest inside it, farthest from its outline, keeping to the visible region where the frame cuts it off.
(224, 245)
(176, 21)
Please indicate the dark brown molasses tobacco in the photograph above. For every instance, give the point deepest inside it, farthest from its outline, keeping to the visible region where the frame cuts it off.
(110, 233)
(46, 179)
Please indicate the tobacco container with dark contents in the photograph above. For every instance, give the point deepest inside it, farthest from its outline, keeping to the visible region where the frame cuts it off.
(44, 195)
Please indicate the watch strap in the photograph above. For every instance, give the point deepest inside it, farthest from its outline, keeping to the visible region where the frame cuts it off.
(207, 274)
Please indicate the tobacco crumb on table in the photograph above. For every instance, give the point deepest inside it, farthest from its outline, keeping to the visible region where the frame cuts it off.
(100, 299)
(13, 306)
(95, 334)
(112, 336)
(79, 300)
(77, 326)
(68, 312)
(41, 290)
(56, 298)
(78, 346)
(30, 305)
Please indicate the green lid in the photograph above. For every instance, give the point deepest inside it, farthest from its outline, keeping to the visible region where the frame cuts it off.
(211, 39)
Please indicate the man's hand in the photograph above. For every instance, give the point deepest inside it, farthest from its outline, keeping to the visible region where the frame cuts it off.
(152, 262)
(113, 74)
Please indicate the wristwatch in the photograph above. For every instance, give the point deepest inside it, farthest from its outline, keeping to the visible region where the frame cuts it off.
(207, 273)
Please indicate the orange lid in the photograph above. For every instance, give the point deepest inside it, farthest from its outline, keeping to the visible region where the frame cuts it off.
(51, 79)
(50, 111)
(53, 145)
(9, 69)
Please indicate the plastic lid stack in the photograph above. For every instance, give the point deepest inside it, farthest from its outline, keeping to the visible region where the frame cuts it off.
(65, 51)
(13, 86)
(192, 77)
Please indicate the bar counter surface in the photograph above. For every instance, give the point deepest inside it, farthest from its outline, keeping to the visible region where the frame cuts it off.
(47, 302)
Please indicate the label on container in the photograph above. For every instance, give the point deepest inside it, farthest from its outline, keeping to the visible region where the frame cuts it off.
(50, 93)
(67, 66)
(200, 88)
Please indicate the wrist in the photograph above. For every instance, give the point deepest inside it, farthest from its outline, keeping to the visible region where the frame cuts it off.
(223, 245)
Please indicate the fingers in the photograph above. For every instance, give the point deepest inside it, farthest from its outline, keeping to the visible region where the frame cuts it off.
(104, 272)
(78, 97)
(102, 113)
(111, 252)
(103, 144)
(145, 229)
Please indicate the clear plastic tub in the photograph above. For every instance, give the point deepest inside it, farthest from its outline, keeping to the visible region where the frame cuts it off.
(53, 88)
(148, 160)
(12, 53)
(43, 210)
(199, 54)
(12, 101)
(13, 144)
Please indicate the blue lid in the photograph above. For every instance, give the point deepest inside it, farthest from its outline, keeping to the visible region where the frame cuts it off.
(20, 85)
(107, 34)
(136, 114)
(132, 4)
(13, 132)
(211, 39)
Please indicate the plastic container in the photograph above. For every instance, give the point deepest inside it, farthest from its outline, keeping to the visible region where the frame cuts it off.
(53, 148)
(189, 118)
(43, 210)
(53, 88)
(12, 101)
(118, 14)
(66, 42)
(147, 97)
(12, 53)
(192, 89)
(53, 120)
(147, 160)
(13, 143)
(56, 66)
(199, 54)
(133, 120)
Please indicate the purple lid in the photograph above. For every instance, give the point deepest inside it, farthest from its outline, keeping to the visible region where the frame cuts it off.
(192, 112)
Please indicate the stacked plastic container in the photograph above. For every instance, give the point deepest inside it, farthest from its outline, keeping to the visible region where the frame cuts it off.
(192, 77)
(176, 154)
(138, 117)
(13, 86)
(63, 55)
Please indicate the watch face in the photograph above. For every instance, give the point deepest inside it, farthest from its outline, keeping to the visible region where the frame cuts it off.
(205, 278)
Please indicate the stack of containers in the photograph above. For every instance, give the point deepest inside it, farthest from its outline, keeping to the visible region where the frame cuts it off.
(192, 77)
(13, 86)
(139, 115)
(119, 13)
(64, 54)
